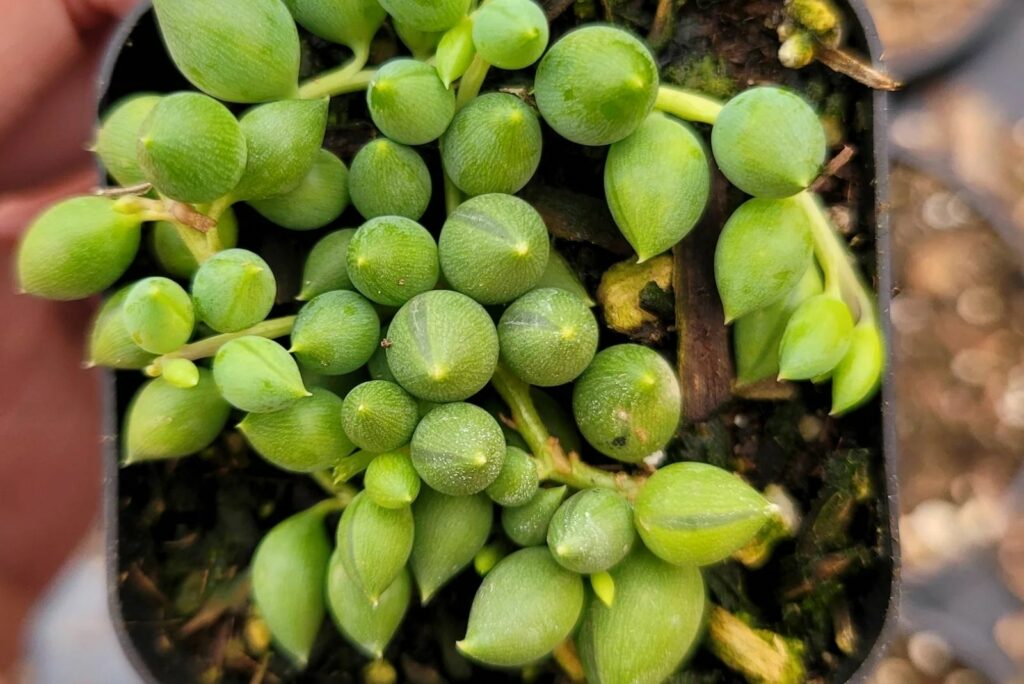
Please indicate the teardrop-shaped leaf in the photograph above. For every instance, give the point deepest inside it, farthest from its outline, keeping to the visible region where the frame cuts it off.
(421, 44)
(455, 52)
(233, 290)
(458, 449)
(427, 15)
(697, 514)
(859, 374)
(325, 268)
(657, 181)
(391, 481)
(374, 544)
(517, 483)
(110, 343)
(336, 333)
(289, 573)
(159, 315)
(320, 198)
(763, 252)
(817, 338)
(352, 23)
(164, 421)
(592, 531)
(257, 375)
(180, 373)
(389, 179)
(118, 137)
(561, 275)
(234, 50)
(367, 626)
(510, 34)
(409, 103)
(650, 627)
(450, 530)
(526, 606)
(527, 525)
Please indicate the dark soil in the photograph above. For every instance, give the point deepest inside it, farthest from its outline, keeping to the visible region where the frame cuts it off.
(184, 531)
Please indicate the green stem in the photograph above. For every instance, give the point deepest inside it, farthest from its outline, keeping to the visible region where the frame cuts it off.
(340, 497)
(688, 105)
(552, 462)
(842, 277)
(452, 195)
(198, 244)
(348, 78)
(352, 465)
(205, 348)
(472, 81)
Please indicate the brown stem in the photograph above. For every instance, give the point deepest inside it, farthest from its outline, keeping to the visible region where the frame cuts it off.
(187, 215)
(137, 189)
(661, 27)
(569, 660)
(705, 365)
(834, 166)
(839, 60)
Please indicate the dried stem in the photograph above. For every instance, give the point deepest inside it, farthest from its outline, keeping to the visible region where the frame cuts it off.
(845, 63)
(759, 655)
(137, 189)
(834, 166)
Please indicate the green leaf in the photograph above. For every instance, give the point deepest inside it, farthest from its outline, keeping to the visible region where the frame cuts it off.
(450, 530)
(510, 34)
(258, 375)
(325, 268)
(320, 198)
(697, 514)
(859, 374)
(352, 23)
(367, 626)
(455, 52)
(526, 606)
(374, 544)
(391, 480)
(518, 482)
(592, 531)
(379, 416)
(233, 290)
(110, 343)
(391, 259)
(458, 449)
(650, 627)
(817, 338)
(336, 333)
(527, 525)
(427, 15)
(117, 139)
(389, 179)
(409, 103)
(159, 315)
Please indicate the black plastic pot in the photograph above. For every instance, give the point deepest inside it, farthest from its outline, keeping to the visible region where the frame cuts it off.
(137, 62)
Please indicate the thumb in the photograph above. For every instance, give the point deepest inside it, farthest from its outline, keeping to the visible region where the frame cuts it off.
(90, 15)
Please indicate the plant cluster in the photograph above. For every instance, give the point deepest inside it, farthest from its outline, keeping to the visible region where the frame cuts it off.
(606, 559)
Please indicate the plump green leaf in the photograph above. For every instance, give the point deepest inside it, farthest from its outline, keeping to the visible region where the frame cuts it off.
(368, 626)
(379, 416)
(510, 34)
(817, 338)
(450, 530)
(110, 343)
(257, 375)
(517, 482)
(326, 267)
(409, 103)
(391, 259)
(592, 531)
(527, 525)
(320, 198)
(389, 179)
(859, 374)
(458, 449)
(159, 315)
(374, 544)
(233, 290)
(455, 52)
(336, 333)
(391, 480)
(117, 139)
(352, 23)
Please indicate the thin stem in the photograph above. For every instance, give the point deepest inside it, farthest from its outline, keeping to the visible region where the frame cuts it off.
(472, 81)
(552, 461)
(205, 348)
(841, 274)
(341, 493)
(348, 78)
(352, 465)
(452, 195)
(688, 105)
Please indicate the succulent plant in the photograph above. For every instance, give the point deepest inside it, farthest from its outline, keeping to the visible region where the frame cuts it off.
(158, 315)
(326, 267)
(816, 339)
(493, 145)
(164, 421)
(657, 181)
(257, 375)
(526, 606)
(174, 255)
(422, 44)
(234, 50)
(442, 346)
(391, 480)
(455, 52)
(336, 333)
(614, 85)
(352, 23)
(409, 103)
(859, 374)
(458, 449)
(493, 248)
(392, 259)
(182, 373)
(389, 179)
(628, 402)
(548, 337)
(304, 437)
(77, 248)
(427, 15)
(374, 544)
(320, 198)
(592, 531)
(517, 482)
(559, 274)
(769, 142)
(527, 525)
(110, 342)
(118, 137)
(379, 416)
(366, 625)
(450, 530)
(191, 148)
(510, 34)
(233, 290)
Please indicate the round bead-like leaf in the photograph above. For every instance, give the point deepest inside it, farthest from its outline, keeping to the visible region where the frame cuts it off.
(326, 266)
(110, 343)
(548, 337)
(526, 606)
(817, 338)
(389, 179)
(192, 148)
(650, 627)
(352, 23)
(392, 259)
(494, 248)
(257, 375)
(374, 544)
(455, 52)
(409, 103)
(657, 181)
(336, 333)
(283, 141)
(233, 290)
(303, 437)
(510, 34)
(769, 142)
(367, 625)
(763, 252)
(450, 531)
(164, 421)
(696, 514)
(391, 480)
(321, 197)
(592, 531)
(77, 248)
(159, 315)
(517, 483)
(117, 139)
(493, 145)
(173, 254)
(859, 374)
(379, 416)
(527, 525)
(289, 574)
(596, 85)
(442, 346)
(628, 402)
(235, 50)
(458, 449)
(427, 15)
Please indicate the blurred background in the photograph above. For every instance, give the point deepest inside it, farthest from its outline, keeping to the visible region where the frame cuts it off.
(957, 132)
